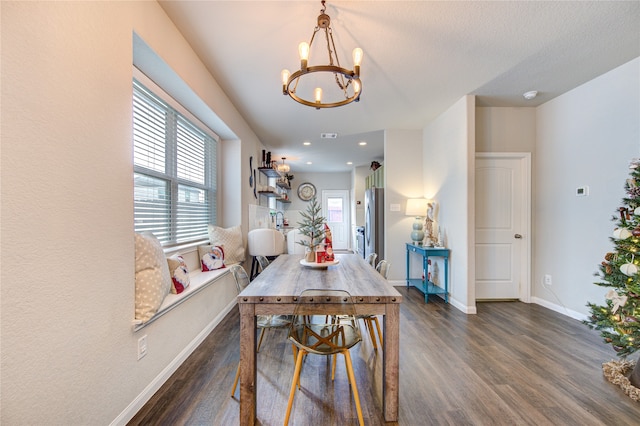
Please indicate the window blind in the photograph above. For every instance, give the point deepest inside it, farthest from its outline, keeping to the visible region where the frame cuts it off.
(174, 171)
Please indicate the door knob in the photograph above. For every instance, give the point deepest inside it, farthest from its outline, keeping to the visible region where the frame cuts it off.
(518, 236)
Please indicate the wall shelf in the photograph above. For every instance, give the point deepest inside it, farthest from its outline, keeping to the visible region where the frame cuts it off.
(278, 197)
(283, 185)
(272, 173)
(269, 172)
(269, 194)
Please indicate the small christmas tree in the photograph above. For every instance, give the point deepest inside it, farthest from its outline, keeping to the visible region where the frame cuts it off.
(312, 225)
(618, 320)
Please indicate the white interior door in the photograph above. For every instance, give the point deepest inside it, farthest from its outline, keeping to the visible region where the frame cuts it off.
(335, 208)
(503, 226)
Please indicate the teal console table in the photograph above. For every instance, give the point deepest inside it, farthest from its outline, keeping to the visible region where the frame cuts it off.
(426, 286)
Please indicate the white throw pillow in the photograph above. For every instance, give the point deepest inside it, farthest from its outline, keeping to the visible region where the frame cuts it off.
(153, 280)
(230, 239)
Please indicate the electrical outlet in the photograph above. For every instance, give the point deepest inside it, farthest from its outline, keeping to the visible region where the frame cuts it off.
(547, 280)
(142, 346)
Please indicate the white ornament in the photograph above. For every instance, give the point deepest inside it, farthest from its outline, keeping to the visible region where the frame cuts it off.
(621, 233)
(637, 211)
(616, 299)
(629, 269)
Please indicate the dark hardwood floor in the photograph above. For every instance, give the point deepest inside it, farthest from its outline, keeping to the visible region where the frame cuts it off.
(511, 364)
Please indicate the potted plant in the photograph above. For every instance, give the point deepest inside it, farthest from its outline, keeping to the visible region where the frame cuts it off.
(312, 226)
(288, 178)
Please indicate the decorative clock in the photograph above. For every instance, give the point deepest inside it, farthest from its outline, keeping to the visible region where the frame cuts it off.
(306, 191)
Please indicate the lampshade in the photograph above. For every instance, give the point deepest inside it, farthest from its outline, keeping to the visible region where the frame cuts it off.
(417, 207)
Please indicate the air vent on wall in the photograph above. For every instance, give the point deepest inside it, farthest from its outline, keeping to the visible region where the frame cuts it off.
(328, 135)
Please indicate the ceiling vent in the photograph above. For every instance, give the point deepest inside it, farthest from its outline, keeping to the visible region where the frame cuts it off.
(329, 135)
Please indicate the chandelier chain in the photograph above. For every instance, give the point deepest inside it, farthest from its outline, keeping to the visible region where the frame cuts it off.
(329, 35)
(339, 78)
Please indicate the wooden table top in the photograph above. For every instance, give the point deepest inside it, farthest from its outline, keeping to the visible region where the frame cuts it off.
(285, 278)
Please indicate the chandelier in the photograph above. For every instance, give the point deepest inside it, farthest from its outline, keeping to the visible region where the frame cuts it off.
(283, 168)
(348, 82)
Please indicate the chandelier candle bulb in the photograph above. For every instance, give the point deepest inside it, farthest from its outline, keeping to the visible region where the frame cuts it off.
(285, 80)
(303, 50)
(357, 60)
(318, 94)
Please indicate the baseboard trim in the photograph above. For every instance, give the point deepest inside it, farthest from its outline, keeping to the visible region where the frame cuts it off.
(452, 301)
(560, 309)
(127, 414)
(470, 310)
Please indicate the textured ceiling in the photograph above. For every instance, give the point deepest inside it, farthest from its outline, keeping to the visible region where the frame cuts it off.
(420, 58)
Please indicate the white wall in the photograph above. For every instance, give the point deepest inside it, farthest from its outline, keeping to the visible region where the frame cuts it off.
(403, 179)
(322, 181)
(449, 164)
(359, 176)
(585, 137)
(69, 353)
(505, 129)
(229, 183)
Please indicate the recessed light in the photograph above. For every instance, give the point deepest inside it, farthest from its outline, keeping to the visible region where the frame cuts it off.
(530, 94)
(363, 143)
(309, 162)
(349, 162)
(306, 143)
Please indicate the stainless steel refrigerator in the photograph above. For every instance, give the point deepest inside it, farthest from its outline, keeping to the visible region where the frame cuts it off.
(374, 222)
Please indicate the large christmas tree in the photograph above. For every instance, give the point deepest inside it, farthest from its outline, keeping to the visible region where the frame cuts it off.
(618, 320)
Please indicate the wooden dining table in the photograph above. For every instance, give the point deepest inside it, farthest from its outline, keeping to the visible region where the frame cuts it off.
(276, 291)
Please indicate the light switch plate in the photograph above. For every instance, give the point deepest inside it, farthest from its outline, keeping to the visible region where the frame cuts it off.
(394, 207)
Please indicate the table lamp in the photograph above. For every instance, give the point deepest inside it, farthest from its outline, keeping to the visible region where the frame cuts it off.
(417, 207)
